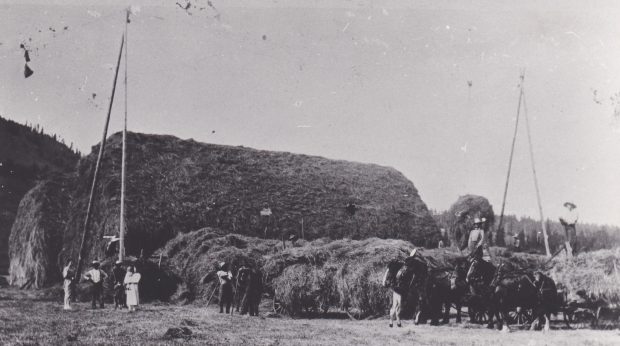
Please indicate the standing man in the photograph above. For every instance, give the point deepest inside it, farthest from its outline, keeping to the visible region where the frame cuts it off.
(569, 220)
(118, 277)
(476, 236)
(67, 276)
(96, 277)
(226, 289)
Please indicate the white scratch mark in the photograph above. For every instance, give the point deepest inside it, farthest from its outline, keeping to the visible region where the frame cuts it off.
(385, 12)
(464, 148)
(303, 126)
(94, 13)
(346, 27)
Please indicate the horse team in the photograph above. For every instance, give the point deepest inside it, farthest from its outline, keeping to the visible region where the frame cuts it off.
(490, 293)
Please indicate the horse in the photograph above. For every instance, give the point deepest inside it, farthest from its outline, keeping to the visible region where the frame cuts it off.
(458, 288)
(413, 278)
(479, 277)
(522, 290)
(249, 288)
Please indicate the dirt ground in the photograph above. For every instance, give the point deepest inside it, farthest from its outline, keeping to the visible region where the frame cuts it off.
(26, 319)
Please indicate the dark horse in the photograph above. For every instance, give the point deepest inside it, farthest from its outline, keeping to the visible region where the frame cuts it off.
(249, 288)
(479, 277)
(459, 288)
(413, 278)
(522, 290)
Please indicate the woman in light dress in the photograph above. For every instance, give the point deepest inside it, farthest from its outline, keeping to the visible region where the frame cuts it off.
(131, 282)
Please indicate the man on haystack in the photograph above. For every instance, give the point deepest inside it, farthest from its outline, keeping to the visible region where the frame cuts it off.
(476, 235)
(96, 277)
(569, 220)
(226, 290)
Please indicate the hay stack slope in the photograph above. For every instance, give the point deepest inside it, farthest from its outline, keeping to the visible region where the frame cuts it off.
(26, 155)
(36, 237)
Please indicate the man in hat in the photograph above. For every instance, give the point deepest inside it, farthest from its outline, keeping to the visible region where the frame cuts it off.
(476, 236)
(96, 277)
(226, 290)
(517, 242)
(118, 277)
(569, 220)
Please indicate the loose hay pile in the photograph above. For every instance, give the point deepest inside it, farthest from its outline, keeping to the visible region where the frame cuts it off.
(194, 256)
(344, 274)
(596, 272)
(316, 276)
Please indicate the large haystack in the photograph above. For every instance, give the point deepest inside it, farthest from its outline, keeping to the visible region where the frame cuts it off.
(36, 237)
(176, 186)
(596, 272)
(461, 216)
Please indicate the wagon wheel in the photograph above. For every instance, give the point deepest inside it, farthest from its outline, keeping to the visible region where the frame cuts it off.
(520, 316)
(569, 316)
(278, 308)
(478, 316)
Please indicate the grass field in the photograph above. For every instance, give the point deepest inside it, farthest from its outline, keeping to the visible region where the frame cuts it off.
(26, 319)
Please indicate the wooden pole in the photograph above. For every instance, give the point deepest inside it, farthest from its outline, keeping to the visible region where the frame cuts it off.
(512, 149)
(540, 210)
(121, 242)
(97, 167)
(302, 229)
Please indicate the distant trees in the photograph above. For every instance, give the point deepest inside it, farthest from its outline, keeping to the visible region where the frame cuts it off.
(590, 237)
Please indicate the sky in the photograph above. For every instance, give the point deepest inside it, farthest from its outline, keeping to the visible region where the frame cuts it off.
(430, 88)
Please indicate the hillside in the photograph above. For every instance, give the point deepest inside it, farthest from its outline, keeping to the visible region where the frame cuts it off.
(176, 186)
(26, 154)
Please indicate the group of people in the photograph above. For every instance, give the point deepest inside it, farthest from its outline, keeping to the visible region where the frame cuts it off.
(568, 219)
(244, 290)
(125, 283)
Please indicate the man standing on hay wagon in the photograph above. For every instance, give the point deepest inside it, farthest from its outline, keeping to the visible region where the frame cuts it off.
(226, 290)
(569, 220)
(476, 236)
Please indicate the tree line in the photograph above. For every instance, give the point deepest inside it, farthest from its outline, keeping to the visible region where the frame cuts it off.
(528, 231)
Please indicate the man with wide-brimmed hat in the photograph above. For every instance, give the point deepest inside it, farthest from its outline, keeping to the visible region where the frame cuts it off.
(569, 220)
(118, 277)
(476, 235)
(96, 277)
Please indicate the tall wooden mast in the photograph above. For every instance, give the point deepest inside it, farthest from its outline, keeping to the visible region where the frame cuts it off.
(122, 226)
(97, 167)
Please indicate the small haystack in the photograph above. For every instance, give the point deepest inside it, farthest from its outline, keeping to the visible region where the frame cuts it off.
(194, 257)
(461, 216)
